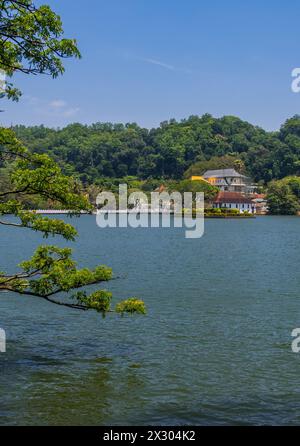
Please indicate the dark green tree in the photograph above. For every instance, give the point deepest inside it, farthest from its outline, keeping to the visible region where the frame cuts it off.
(281, 199)
(197, 186)
(31, 43)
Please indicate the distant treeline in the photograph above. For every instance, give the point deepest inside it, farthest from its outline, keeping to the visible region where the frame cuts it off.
(172, 151)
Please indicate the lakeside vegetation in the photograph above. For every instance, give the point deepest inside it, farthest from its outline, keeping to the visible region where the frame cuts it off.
(172, 151)
(32, 42)
(103, 155)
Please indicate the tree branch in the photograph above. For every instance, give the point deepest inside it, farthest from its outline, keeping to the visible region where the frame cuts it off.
(56, 302)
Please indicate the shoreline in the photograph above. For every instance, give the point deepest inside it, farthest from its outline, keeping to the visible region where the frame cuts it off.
(128, 211)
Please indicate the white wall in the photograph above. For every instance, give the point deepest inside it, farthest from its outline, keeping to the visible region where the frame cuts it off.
(238, 206)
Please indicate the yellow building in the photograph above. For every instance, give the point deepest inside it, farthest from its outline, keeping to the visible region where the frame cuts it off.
(200, 178)
(227, 180)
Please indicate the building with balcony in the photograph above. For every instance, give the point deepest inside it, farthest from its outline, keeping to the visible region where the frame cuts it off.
(229, 180)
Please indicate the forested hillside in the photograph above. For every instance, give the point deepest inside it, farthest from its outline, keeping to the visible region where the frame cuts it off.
(172, 150)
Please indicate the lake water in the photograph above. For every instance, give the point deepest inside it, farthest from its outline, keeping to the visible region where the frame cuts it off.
(214, 348)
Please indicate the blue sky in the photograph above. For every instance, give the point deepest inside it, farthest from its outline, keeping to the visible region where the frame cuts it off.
(146, 61)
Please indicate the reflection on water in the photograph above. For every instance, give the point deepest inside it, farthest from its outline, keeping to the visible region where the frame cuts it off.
(215, 347)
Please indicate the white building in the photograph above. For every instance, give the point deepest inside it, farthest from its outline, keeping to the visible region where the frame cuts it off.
(229, 180)
(234, 200)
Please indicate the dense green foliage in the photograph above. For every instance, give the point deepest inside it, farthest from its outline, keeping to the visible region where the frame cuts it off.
(283, 196)
(216, 162)
(194, 187)
(226, 212)
(51, 270)
(31, 41)
(172, 150)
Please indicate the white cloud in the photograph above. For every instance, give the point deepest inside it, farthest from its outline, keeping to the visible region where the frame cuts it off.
(162, 64)
(56, 108)
(61, 108)
(31, 100)
(159, 63)
(58, 103)
(71, 112)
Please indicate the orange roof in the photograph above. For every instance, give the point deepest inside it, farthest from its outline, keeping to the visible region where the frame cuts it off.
(261, 196)
(160, 189)
(231, 197)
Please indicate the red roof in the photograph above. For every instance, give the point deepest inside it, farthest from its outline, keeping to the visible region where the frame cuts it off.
(258, 196)
(160, 189)
(231, 197)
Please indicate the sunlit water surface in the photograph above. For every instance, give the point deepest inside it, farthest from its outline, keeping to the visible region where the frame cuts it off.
(215, 347)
